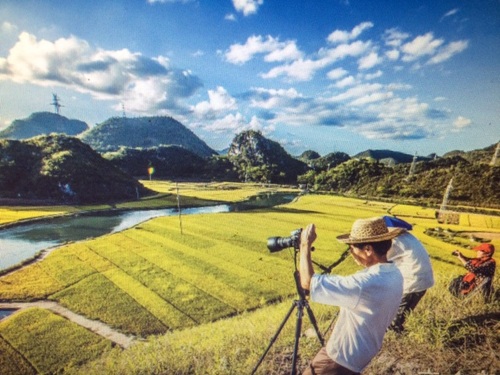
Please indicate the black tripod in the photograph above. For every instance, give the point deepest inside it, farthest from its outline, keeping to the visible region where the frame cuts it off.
(300, 304)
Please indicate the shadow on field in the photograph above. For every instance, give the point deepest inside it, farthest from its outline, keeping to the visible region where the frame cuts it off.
(485, 326)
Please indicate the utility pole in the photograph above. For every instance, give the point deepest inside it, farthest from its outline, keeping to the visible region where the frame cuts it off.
(56, 104)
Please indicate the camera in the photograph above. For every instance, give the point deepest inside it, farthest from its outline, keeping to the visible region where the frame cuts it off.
(455, 253)
(275, 244)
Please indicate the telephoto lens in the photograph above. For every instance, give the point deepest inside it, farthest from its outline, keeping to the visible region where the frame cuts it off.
(275, 244)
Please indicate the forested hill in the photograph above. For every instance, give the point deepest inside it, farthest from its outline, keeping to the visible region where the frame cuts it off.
(144, 132)
(61, 169)
(40, 123)
(381, 155)
(257, 158)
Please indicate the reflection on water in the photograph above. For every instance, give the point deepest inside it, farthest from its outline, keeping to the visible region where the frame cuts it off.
(6, 312)
(22, 242)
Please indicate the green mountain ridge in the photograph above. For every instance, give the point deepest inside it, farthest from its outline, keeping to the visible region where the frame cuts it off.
(61, 169)
(398, 157)
(167, 161)
(42, 123)
(144, 132)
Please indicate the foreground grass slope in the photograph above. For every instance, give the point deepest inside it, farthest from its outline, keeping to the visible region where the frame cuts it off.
(202, 297)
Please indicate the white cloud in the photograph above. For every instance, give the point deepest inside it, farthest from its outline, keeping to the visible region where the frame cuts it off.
(273, 98)
(230, 17)
(420, 46)
(231, 122)
(392, 54)
(286, 52)
(461, 122)
(8, 27)
(247, 7)
(369, 61)
(256, 44)
(394, 37)
(305, 69)
(347, 81)
(218, 101)
(372, 98)
(300, 70)
(449, 51)
(342, 36)
(357, 92)
(450, 13)
(371, 76)
(236, 123)
(336, 73)
(342, 51)
(143, 84)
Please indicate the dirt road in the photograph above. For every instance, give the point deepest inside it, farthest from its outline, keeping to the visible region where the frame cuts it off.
(92, 325)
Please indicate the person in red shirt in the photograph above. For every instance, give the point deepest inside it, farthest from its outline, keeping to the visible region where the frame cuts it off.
(479, 268)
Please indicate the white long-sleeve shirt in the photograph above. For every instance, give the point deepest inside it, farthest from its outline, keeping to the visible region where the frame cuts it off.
(410, 256)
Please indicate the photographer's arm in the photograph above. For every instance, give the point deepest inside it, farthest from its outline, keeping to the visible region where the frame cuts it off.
(306, 270)
(460, 256)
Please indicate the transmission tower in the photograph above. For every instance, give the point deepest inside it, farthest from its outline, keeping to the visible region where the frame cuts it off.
(412, 166)
(495, 155)
(446, 196)
(56, 103)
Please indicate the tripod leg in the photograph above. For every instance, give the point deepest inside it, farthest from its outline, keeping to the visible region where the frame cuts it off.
(298, 329)
(275, 336)
(312, 318)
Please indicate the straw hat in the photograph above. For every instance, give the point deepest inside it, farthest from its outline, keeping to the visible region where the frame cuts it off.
(369, 230)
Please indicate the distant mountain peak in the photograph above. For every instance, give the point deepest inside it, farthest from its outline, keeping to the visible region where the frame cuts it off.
(43, 123)
(144, 132)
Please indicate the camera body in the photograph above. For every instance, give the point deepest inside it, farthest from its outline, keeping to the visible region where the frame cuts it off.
(455, 253)
(275, 244)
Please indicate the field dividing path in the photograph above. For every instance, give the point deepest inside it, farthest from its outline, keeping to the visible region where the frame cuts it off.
(95, 326)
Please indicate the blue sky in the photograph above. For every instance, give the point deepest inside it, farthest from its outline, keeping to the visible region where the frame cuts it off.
(324, 75)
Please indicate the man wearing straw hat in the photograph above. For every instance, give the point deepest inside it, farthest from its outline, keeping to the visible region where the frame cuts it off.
(368, 299)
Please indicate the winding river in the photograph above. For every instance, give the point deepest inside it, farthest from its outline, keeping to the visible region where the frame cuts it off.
(24, 241)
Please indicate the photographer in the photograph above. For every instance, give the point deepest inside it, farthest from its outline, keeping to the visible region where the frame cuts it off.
(412, 259)
(479, 268)
(368, 299)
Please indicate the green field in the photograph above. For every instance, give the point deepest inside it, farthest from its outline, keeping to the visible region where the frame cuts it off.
(207, 300)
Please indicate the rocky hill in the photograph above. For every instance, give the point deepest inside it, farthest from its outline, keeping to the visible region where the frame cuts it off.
(144, 132)
(40, 123)
(61, 169)
(257, 158)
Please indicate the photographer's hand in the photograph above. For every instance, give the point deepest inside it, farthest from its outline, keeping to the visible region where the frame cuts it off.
(307, 237)
(460, 256)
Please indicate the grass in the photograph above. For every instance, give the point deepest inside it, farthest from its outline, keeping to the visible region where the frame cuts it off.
(21, 213)
(53, 344)
(214, 191)
(210, 298)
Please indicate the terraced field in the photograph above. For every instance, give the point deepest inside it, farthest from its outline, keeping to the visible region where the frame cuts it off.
(155, 280)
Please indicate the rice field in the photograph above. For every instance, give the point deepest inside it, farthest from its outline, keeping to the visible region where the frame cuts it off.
(214, 278)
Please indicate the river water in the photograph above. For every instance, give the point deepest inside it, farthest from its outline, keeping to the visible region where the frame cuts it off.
(23, 242)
